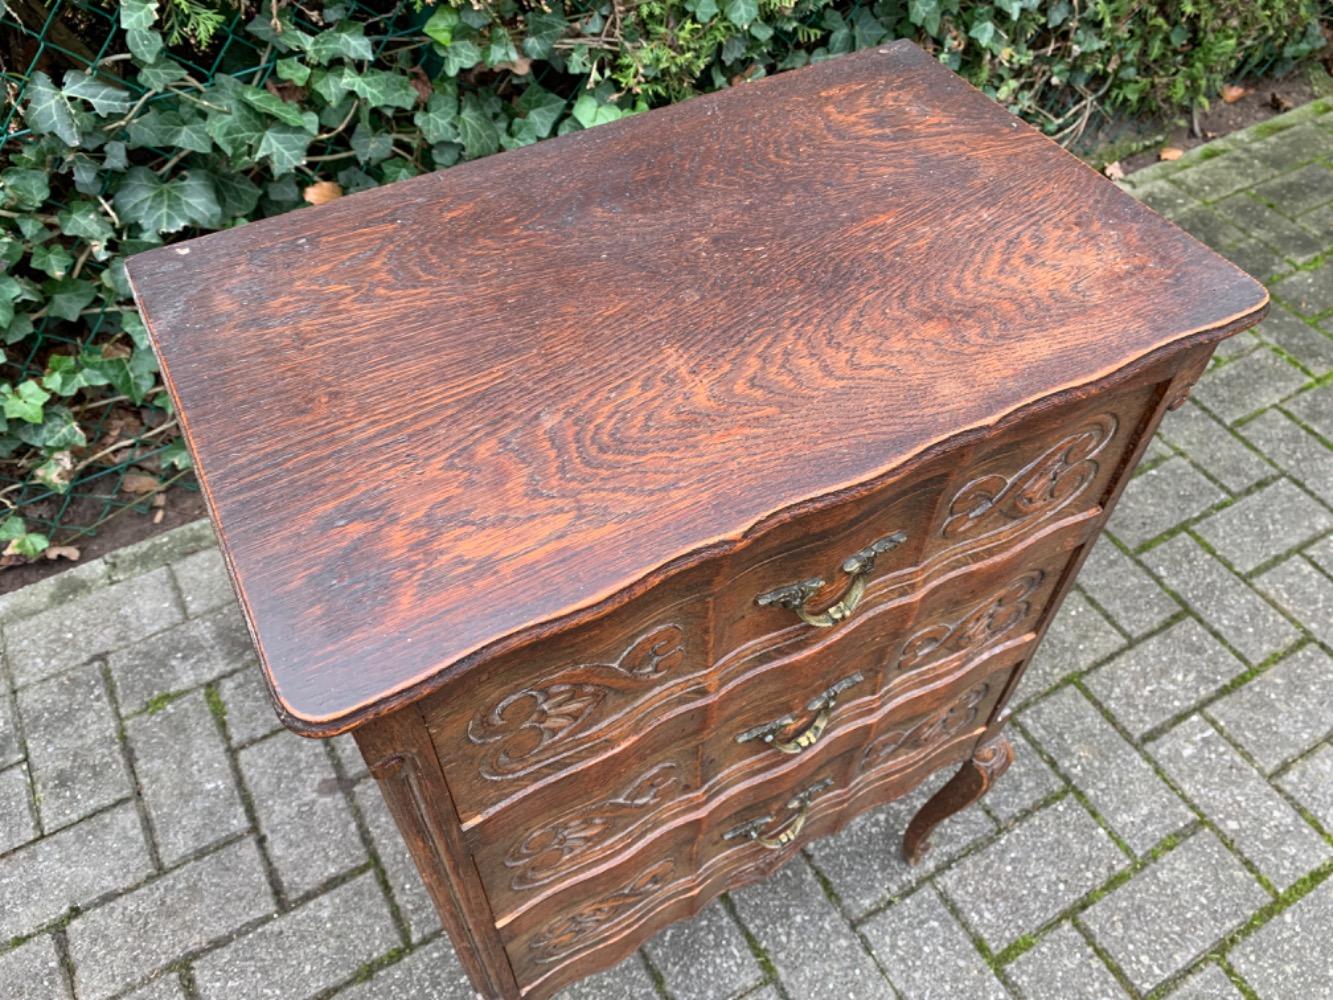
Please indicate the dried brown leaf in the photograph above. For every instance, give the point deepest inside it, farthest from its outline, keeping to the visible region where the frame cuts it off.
(1170, 153)
(1114, 171)
(62, 552)
(322, 192)
(1232, 93)
(139, 482)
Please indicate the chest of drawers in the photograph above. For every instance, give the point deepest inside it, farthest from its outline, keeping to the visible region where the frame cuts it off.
(655, 499)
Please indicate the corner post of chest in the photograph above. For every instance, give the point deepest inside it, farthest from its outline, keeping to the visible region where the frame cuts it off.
(400, 755)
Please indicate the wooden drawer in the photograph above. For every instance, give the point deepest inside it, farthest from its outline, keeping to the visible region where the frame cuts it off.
(954, 511)
(885, 664)
(746, 834)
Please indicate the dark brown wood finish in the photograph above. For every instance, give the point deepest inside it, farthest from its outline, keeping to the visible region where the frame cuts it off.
(657, 499)
(459, 414)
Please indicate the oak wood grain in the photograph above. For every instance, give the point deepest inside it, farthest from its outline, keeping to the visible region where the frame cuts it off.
(461, 413)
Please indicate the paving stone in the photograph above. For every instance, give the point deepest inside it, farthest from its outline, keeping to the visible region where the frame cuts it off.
(1245, 808)
(864, 863)
(1304, 592)
(185, 778)
(1264, 525)
(17, 823)
(1289, 956)
(1284, 711)
(301, 953)
(160, 550)
(203, 582)
(32, 972)
(198, 651)
(409, 892)
(812, 948)
(1321, 554)
(1159, 922)
(429, 973)
(1124, 590)
(54, 591)
(1157, 451)
(1309, 293)
(1256, 258)
(348, 756)
(1302, 341)
(1163, 677)
(1310, 782)
(1236, 346)
(10, 749)
(1063, 967)
(98, 622)
(79, 864)
(1165, 198)
(73, 753)
(1119, 783)
(926, 955)
(1270, 226)
(174, 915)
(1314, 408)
(1221, 599)
(308, 831)
(250, 712)
(167, 987)
(705, 958)
(1208, 227)
(1160, 499)
(627, 981)
(1209, 983)
(1046, 863)
(1079, 636)
(1298, 191)
(1219, 177)
(1251, 383)
(1297, 452)
(1211, 445)
(1027, 782)
(1291, 147)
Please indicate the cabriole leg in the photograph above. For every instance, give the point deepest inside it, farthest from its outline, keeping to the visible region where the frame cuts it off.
(989, 760)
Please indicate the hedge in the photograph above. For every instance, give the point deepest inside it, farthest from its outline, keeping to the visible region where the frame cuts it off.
(147, 121)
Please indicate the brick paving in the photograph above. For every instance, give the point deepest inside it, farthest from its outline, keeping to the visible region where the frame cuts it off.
(1166, 831)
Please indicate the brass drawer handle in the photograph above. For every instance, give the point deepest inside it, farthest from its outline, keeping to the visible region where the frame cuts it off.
(858, 566)
(799, 803)
(823, 704)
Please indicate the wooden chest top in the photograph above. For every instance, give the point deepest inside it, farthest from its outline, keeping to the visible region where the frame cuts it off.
(448, 416)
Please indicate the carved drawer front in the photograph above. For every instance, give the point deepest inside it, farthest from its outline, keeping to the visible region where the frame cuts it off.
(546, 708)
(955, 510)
(744, 835)
(788, 707)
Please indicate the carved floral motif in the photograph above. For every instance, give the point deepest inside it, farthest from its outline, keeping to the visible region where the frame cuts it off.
(537, 724)
(1040, 488)
(578, 929)
(992, 619)
(563, 844)
(931, 731)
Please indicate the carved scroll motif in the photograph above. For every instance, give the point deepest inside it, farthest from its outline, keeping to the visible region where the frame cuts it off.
(576, 837)
(994, 618)
(538, 724)
(931, 731)
(1050, 483)
(580, 928)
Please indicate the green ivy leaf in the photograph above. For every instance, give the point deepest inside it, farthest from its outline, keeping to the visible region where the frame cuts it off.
(381, 89)
(476, 128)
(176, 456)
(132, 376)
(155, 128)
(346, 41)
(104, 98)
(54, 473)
(462, 54)
(24, 402)
(58, 429)
(545, 28)
(84, 220)
(284, 147)
(67, 297)
(161, 74)
(49, 112)
(984, 32)
(193, 135)
(138, 14)
(540, 109)
(440, 27)
(741, 12)
(276, 107)
(237, 194)
(371, 146)
(925, 14)
(145, 46)
(588, 111)
(293, 70)
(24, 189)
(159, 206)
(14, 530)
(236, 133)
(52, 259)
(438, 120)
(66, 375)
